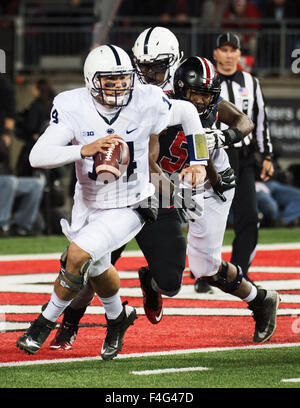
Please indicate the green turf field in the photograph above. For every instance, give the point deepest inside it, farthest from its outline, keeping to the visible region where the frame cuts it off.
(247, 368)
(224, 369)
(54, 243)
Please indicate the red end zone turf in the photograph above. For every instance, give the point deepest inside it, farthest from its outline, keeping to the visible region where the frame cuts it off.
(175, 332)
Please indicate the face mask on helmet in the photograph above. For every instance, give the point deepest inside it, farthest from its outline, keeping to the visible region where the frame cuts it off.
(108, 73)
(155, 72)
(156, 55)
(197, 81)
(200, 99)
(112, 90)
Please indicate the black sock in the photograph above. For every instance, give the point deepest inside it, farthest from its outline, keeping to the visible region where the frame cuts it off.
(259, 298)
(73, 316)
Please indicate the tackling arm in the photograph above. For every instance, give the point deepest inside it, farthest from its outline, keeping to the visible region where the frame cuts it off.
(240, 125)
(234, 118)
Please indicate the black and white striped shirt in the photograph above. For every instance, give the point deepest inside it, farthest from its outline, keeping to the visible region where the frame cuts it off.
(244, 91)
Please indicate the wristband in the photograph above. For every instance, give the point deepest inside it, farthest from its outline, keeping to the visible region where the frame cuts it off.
(232, 136)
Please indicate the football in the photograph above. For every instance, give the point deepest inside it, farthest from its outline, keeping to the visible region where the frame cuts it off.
(110, 165)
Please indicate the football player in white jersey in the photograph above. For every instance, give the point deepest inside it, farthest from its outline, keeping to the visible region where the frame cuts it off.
(156, 55)
(84, 122)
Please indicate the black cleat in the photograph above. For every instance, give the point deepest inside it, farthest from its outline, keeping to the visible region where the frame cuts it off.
(65, 336)
(201, 286)
(265, 316)
(116, 329)
(34, 337)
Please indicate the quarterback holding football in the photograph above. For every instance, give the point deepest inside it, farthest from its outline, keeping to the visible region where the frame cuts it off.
(86, 122)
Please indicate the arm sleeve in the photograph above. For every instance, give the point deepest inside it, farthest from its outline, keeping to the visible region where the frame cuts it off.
(53, 148)
(261, 129)
(185, 114)
(163, 109)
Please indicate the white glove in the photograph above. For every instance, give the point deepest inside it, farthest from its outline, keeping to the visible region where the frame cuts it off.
(217, 138)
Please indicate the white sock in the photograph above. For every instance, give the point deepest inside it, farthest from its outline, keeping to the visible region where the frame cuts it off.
(55, 307)
(252, 294)
(112, 305)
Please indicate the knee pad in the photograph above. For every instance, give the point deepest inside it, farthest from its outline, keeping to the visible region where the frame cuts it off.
(220, 280)
(74, 282)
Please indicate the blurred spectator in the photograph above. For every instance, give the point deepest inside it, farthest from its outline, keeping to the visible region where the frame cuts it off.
(137, 8)
(281, 9)
(20, 196)
(279, 204)
(277, 199)
(278, 11)
(169, 12)
(243, 15)
(261, 5)
(213, 11)
(32, 123)
(176, 11)
(9, 7)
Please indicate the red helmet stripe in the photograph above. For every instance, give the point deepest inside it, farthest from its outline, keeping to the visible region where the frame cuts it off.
(208, 71)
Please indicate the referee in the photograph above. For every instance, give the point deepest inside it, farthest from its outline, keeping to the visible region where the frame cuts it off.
(244, 91)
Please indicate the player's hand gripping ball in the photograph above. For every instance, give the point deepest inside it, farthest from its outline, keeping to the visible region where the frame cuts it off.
(110, 165)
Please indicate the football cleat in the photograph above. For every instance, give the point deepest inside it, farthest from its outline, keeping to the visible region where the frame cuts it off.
(65, 336)
(152, 300)
(116, 329)
(265, 317)
(201, 286)
(34, 337)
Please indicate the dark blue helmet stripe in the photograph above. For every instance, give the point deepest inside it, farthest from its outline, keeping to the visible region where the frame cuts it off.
(115, 52)
(147, 40)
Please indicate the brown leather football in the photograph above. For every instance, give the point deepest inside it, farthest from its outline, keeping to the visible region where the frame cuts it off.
(111, 165)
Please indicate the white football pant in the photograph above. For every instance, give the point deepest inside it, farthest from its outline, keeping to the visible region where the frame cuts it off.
(104, 231)
(205, 236)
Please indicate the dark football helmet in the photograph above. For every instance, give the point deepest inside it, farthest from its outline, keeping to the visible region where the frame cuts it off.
(197, 74)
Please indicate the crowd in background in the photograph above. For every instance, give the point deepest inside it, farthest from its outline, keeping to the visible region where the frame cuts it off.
(244, 16)
(278, 200)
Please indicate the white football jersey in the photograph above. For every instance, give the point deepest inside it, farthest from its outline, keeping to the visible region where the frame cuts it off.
(75, 120)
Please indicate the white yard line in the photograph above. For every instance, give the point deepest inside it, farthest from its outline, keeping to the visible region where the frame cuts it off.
(261, 247)
(169, 370)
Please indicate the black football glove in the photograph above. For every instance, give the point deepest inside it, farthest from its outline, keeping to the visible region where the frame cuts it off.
(216, 138)
(184, 203)
(148, 209)
(226, 181)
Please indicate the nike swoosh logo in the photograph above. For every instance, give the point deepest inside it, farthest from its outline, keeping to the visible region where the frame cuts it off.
(206, 197)
(158, 318)
(130, 131)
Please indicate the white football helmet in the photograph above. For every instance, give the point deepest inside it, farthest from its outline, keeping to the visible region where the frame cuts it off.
(109, 61)
(157, 46)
